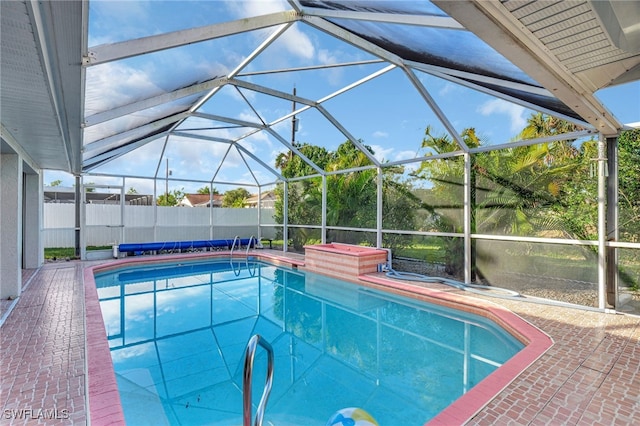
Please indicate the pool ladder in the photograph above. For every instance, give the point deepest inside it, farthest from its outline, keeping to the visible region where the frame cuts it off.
(246, 382)
(239, 241)
(252, 238)
(233, 245)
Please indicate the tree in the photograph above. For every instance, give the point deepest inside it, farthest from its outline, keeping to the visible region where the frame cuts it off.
(132, 190)
(170, 199)
(351, 197)
(235, 198)
(304, 196)
(534, 190)
(444, 200)
(207, 190)
(629, 183)
(56, 182)
(629, 205)
(515, 188)
(294, 166)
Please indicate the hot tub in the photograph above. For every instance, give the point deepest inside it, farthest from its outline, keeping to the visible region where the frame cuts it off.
(344, 261)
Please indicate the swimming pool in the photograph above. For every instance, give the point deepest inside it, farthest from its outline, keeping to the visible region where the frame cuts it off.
(177, 334)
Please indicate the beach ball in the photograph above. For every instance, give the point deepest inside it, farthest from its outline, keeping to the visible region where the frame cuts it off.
(351, 417)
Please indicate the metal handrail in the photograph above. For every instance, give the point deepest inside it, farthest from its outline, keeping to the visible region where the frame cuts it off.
(252, 272)
(246, 383)
(249, 244)
(238, 271)
(233, 245)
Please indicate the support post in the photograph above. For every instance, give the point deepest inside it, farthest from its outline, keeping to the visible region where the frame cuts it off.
(602, 222)
(155, 209)
(468, 259)
(211, 211)
(10, 225)
(78, 215)
(259, 206)
(285, 218)
(612, 223)
(379, 208)
(323, 239)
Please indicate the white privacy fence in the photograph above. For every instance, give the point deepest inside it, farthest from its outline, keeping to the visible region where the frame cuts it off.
(107, 225)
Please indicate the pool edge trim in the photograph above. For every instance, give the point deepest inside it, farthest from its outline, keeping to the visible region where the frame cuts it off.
(103, 397)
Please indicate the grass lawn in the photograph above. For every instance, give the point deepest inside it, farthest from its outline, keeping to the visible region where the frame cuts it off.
(53, 253)
(429, 252)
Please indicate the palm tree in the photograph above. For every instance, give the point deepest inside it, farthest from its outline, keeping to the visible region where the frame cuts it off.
(540, 125)
(510, 187)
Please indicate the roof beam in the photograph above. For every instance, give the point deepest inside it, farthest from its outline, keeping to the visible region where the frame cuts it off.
(349, 37)
(266, 43)
(224, 157)
(497, 27)
(349, 136)
(103, 145)
(460, 75)
(230, 120)
(295, 150)
(436, 109)
(230, 142)
(116, 51)
(271, 92)
(388, 18)
(312, 67)
(244, 160)
(187, 135)
(453, 77)
(91, 163)
(527, 142)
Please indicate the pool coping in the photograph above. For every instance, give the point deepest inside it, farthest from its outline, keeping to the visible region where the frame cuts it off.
(103, 397)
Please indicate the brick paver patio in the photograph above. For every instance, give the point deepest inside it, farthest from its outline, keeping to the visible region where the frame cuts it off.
(590, 376)
(42, 360)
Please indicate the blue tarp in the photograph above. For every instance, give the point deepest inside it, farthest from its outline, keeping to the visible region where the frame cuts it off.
(180, 245)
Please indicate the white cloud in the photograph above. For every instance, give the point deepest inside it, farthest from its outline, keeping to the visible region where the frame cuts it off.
(197, 159)
(404, 155)
(381, 153)
(130, 17)
(380, 134)
(111, 85)
(249, 8)
(448, 88)
(293, 40)
(499, 106)
(297, 43)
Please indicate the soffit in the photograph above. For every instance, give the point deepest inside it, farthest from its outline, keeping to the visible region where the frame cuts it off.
(40, 84)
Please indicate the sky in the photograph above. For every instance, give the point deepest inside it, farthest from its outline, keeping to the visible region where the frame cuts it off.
(385, 113)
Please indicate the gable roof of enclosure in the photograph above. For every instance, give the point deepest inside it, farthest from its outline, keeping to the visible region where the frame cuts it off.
(547, 56)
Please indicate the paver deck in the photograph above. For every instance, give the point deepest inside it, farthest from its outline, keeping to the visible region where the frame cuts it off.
(590, 376)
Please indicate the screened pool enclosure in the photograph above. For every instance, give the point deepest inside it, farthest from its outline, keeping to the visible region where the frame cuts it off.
(476, 140)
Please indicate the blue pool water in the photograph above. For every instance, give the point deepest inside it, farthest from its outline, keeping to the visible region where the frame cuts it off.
(178, 333)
